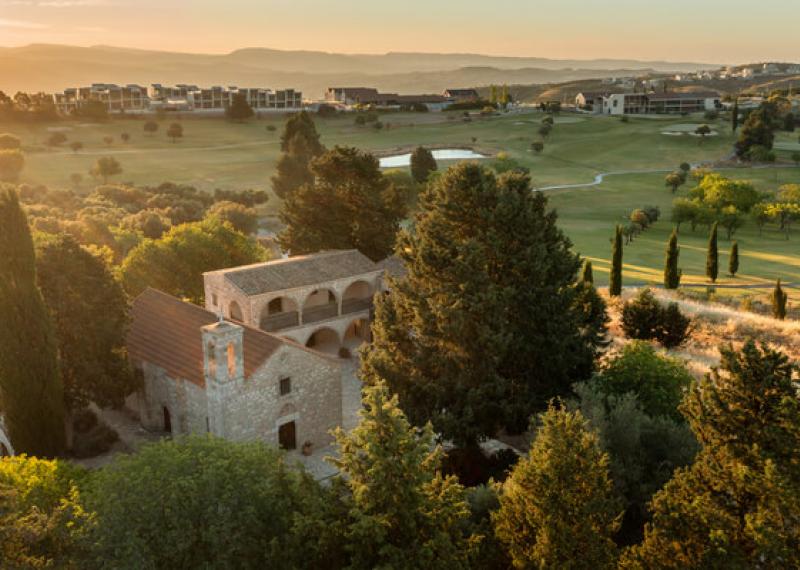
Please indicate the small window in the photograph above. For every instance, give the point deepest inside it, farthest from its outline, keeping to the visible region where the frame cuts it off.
(285, 386)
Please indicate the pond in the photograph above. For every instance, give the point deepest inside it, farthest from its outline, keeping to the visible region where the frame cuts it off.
(399, 160)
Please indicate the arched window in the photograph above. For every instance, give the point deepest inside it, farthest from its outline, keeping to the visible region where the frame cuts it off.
(167, 420)
(235, 312)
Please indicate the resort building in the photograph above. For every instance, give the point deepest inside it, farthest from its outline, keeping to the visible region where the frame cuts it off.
(367, 96)
(181, 97)
(461, 95)
(647, 103)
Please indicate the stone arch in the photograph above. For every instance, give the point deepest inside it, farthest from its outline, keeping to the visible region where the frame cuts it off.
(287, 410)
(320, 304)
(357, 296)
(324, 339)
(356, 333)
(235, 312)
(279, 313)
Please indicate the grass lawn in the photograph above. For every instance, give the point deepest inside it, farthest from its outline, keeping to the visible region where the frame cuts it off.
(588, 216)
(215, 153)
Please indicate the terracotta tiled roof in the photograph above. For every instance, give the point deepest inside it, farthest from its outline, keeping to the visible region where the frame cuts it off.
(165, 331)
(298, 271)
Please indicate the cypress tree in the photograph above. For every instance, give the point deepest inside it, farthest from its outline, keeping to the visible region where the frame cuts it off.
(672, 275)
(712, 258)
(300, 145)
(422, 164)
(735, 116)
(587, 276)
(733, 260)
(779, 298)
(615, 281)
(30, 389)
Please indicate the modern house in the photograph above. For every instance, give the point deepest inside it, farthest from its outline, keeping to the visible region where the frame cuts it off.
(116, 98)
(352, 96)
(461, 95)
(647, 103)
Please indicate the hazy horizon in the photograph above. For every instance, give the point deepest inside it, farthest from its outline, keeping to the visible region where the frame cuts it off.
(717, 31)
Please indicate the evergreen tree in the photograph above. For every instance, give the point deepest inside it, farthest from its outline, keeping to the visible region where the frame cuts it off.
(402, 513)
(300, 145)
(557, 509)
(593, 315)
(735, 116)
(712, 257)
(672, 274)
(89, 312)
(30, 390)
(738, 505)
(239, 109)
(349, 205)
(615, 280)
(733, 260)
(422, 164)
(588, 275)
(779, 298)
(488, 274)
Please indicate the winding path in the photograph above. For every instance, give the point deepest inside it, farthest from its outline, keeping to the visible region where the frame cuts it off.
(600, 178)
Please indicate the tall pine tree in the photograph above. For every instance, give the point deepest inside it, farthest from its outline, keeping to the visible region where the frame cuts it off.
(402, 512)
(351, 204)
(712, 256)
(733, 260)
(615, 279)
(484, 328)
(738, 505)
(672, 274)
(558, 505)
(300, 145)
(31, 395)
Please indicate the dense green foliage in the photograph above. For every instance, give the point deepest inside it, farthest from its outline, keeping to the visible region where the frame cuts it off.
(242, 218)
(644, 318)
(175, 263)
(41, 519)
(89, 313)
(202, 502)
(401, 512)
(31, 393)
(475, 346)
(657, 381)
(239, 109)
(422, 164)
(737, 505)
(557, 509)
(350, 205)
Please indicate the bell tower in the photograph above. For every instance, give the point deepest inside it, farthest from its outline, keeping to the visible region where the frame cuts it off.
(223, 369)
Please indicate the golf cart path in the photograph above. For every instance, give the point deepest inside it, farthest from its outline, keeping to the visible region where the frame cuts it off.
(600, 178)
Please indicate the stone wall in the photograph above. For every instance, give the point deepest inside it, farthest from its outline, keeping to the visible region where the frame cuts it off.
(256, 409)
(186, 402)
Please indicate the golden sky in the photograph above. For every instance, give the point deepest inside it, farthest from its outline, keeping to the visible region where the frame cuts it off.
(714, 31)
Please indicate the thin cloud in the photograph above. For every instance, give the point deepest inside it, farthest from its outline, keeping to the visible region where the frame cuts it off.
(21, 24)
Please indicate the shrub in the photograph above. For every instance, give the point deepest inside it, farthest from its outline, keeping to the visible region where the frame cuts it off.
(760, 153)
(56, 139)
(645, 319)
(9, 142)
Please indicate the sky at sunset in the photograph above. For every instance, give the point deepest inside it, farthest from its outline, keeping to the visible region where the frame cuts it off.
(714, 31)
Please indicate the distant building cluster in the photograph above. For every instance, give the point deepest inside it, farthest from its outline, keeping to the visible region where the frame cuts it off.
(367, 96)
(653, 103)
(138, 99)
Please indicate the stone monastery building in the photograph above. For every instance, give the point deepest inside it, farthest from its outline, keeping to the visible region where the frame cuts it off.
(263, 360)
